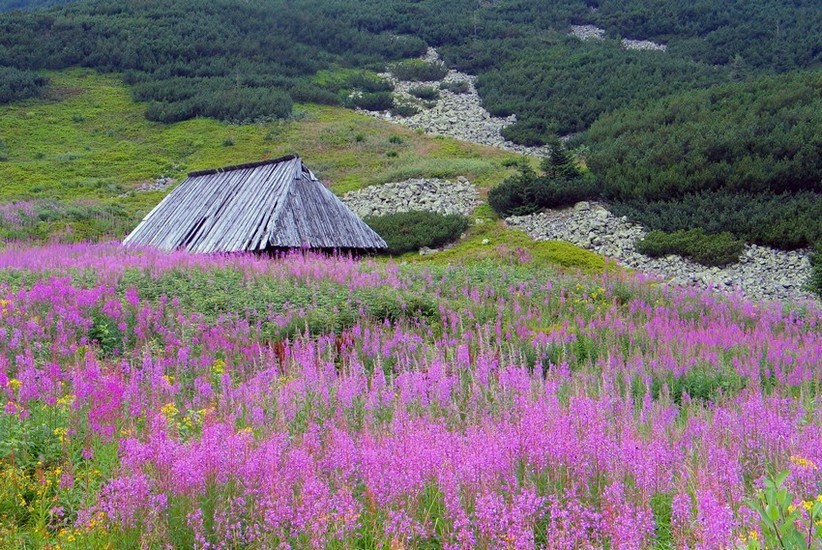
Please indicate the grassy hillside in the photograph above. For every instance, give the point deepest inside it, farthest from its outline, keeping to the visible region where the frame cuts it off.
(88, 141)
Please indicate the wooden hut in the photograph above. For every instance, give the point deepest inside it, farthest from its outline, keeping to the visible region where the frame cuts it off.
(260, 206)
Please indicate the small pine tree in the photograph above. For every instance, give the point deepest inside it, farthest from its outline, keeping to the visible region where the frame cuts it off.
(559, 164)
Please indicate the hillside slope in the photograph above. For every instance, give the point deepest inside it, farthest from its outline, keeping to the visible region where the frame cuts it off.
(88, 141)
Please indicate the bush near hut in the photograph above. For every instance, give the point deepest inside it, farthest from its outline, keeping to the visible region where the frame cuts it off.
(410, 231)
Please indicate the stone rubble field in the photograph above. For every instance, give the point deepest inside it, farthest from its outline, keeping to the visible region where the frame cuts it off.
(761, 273)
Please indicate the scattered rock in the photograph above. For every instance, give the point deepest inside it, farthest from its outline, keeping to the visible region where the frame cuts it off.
(160, 184)
(762, 273)
(646, 45)
(587, 32)
(458, 115)
(434, 195)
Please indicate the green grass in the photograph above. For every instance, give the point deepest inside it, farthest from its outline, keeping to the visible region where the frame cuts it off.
(492, 241)
(89, 140)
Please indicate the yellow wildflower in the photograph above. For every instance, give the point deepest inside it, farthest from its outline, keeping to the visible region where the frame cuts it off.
(803, 462)
(169, 379)
(61, 434)
(15, 384)
(807, 504)
(791, 509)
(169, 410)
(753, 535)
(66, 400)
(218, 367)
(819, 498)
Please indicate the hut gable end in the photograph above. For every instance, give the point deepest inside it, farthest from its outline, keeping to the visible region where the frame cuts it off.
(252, 207)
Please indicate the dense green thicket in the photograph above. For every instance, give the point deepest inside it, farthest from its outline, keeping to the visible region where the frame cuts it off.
(756, 137)
(743, 158)
(11, 5)
(789, 220)
(410, 231)
(717, 249)
(16, 84)
(566, 87)
(418, 70)
(528, 64)
(224, 59)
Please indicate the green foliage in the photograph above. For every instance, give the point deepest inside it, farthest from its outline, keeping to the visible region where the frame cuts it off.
(78, 221)
(787, 220)
(526, 62)
(418, 70)
(228, 60)
(235, 105)
(427, 93)
(782, 521)
(815, 282)
(760, 136)
(456, 87)
(404, 109)
(409, 231)
(378, 101)
(526, 192)
(662, 506)
(742, 158)
(708, 249)
(492, 244)
(16, 84)
(706, 384)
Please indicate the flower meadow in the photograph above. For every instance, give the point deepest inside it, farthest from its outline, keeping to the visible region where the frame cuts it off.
(168, 400)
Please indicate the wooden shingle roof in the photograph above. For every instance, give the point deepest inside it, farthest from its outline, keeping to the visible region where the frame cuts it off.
(253, 207)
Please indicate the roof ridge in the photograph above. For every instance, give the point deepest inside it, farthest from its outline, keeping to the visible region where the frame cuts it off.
(210, 171)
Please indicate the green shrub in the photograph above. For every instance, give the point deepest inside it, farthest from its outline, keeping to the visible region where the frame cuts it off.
(418, 70)
(425, 92)
(815, 283)
(786, 220)
(404, 109)
(409, 231)
(16, 84)
(715, 250)
(526, 193)
(377, 101)
(458, 87)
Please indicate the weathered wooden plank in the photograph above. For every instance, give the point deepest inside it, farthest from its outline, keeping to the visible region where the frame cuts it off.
(251, 207)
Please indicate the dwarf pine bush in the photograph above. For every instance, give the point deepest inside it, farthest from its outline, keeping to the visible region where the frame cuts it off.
(714, 250)
(409, 231)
